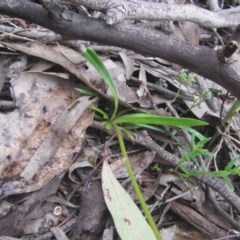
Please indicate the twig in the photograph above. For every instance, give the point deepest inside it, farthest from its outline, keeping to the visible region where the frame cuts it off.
(215, 183)
(116, 12)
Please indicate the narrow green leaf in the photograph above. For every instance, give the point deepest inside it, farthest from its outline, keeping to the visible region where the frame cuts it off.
(202, 143)
(218, 173)
(143, 118)
(228, 182)
(127, 217)
(230, 165)
(88, 92)
(93, 58)
(235, 171)
(104, 114)
(140, 125)
(129, 134)
(194, 133)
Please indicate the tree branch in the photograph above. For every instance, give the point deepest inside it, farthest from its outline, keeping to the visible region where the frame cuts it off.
(116, 12)
(200, 60)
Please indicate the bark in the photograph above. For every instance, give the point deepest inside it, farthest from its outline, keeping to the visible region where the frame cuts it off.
(200, 60)
(132, 9)
(197, 220)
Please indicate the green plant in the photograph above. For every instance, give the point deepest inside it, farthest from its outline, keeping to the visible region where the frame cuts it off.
(195, 150)
(186, 77)
(228, 171)
(121, 122)
(156, 167)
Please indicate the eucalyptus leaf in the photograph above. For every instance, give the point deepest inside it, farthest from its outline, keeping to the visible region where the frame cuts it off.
(127, 217)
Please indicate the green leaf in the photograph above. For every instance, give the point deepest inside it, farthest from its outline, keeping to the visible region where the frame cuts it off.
(104, 114)
(228, 182)
(127, 217)
(230, 164)
(202, 143)
(200, 152)
(88, 92)
(140, 125)
(194, 133)
(128, 133)
(93, 58)
(235, 171)
(186, 78)
(218, 173)
(144, 118)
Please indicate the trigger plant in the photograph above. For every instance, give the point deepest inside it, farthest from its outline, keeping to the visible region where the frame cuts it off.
(120, 123)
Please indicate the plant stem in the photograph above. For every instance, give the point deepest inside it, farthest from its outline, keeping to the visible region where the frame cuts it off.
(135, 184)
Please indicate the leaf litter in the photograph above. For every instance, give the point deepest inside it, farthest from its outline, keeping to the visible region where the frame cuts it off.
(45, 135)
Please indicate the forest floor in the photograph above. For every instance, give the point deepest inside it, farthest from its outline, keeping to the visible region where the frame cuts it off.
(53, 146)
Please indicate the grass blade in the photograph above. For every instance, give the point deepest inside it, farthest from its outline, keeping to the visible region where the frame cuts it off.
(144, 118)
(88, 92)
(93, 58)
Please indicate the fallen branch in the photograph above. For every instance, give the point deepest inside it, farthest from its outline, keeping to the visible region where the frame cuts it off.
(116, 12)
(200, 60)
